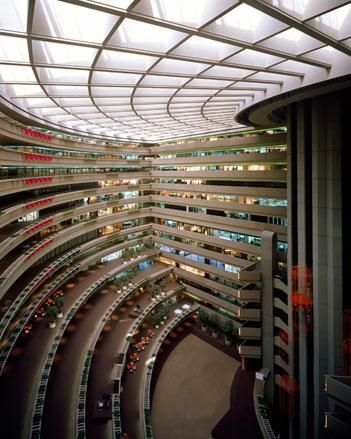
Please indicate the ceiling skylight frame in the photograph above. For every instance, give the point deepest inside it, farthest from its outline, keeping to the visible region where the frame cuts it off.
(195, 80)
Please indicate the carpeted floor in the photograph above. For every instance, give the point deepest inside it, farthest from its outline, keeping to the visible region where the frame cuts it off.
(193, 391)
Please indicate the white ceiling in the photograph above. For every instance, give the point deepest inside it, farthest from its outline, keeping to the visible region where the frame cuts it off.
(160, 69)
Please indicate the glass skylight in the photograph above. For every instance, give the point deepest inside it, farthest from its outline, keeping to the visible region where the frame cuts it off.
(14, 15)
(63, 75)
(21, 73)
(13, 49)
(206, 48)
(159, 69)
(64, 20)
(177, 66)
(297, 7)
(125, 60)
(192, 13)
(247, 24)
(335, 23)
(62, 54)
(145, 36)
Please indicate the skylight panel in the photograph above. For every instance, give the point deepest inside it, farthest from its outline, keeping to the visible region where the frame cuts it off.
(57, 111)
(26, 90)
(139, 35)
(292, 34)
(185, 106)
(146, 100)
(62, 75)
(328, 54)
(248, 86)
(73, 102)
(96, 118)
(254, 58)
(198, 82)
(246, 23)
(33, 103)
(172, 81)
(111, 91)
(296, 7)
(222, 99)
(120, 114)
(117, 109)
(80, 110)
(14, 15)
(111, 101)
(150, 107)
(13, 49)
(192, 13)
(62, 118)
(65, 20)
(267, 76)
(195, 92)
(67, 90)
(292, 41)
(64, 54)
(335, 23)
(185, 99)
(178, 66)
(114, 78)
(205, 48)
(125, 61)
(228, 72)
(20, 73)
(140, 91)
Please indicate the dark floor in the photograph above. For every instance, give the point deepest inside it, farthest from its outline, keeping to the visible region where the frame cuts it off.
(18, 383)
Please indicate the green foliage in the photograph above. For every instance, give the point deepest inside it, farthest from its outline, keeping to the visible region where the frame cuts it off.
(215, 322)
(204, 317)
(228, 328)
(59, 301)
(163, 283)
(51, 311)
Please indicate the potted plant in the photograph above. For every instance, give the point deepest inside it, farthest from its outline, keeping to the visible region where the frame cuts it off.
(235, 334)
(203, 317)
(129, 278)
(228, 329)
(155, 320)
(59, 301)
(157, 289)
(215, 324)
(118, 286)
(165, 309)
(148, 244)
(126, 255)
(162, 284)
(51, 312)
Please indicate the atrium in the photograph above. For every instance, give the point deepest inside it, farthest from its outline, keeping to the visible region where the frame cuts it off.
(174, 219)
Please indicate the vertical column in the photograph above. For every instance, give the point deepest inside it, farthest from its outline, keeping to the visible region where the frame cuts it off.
(304, 266)
(315, 260)
(292, 253)
(268, 266)
(300, 260)
(327, 247)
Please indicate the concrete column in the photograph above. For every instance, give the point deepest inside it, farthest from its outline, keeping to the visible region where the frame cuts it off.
(315, 246)
(327, 247)
(268, 266)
